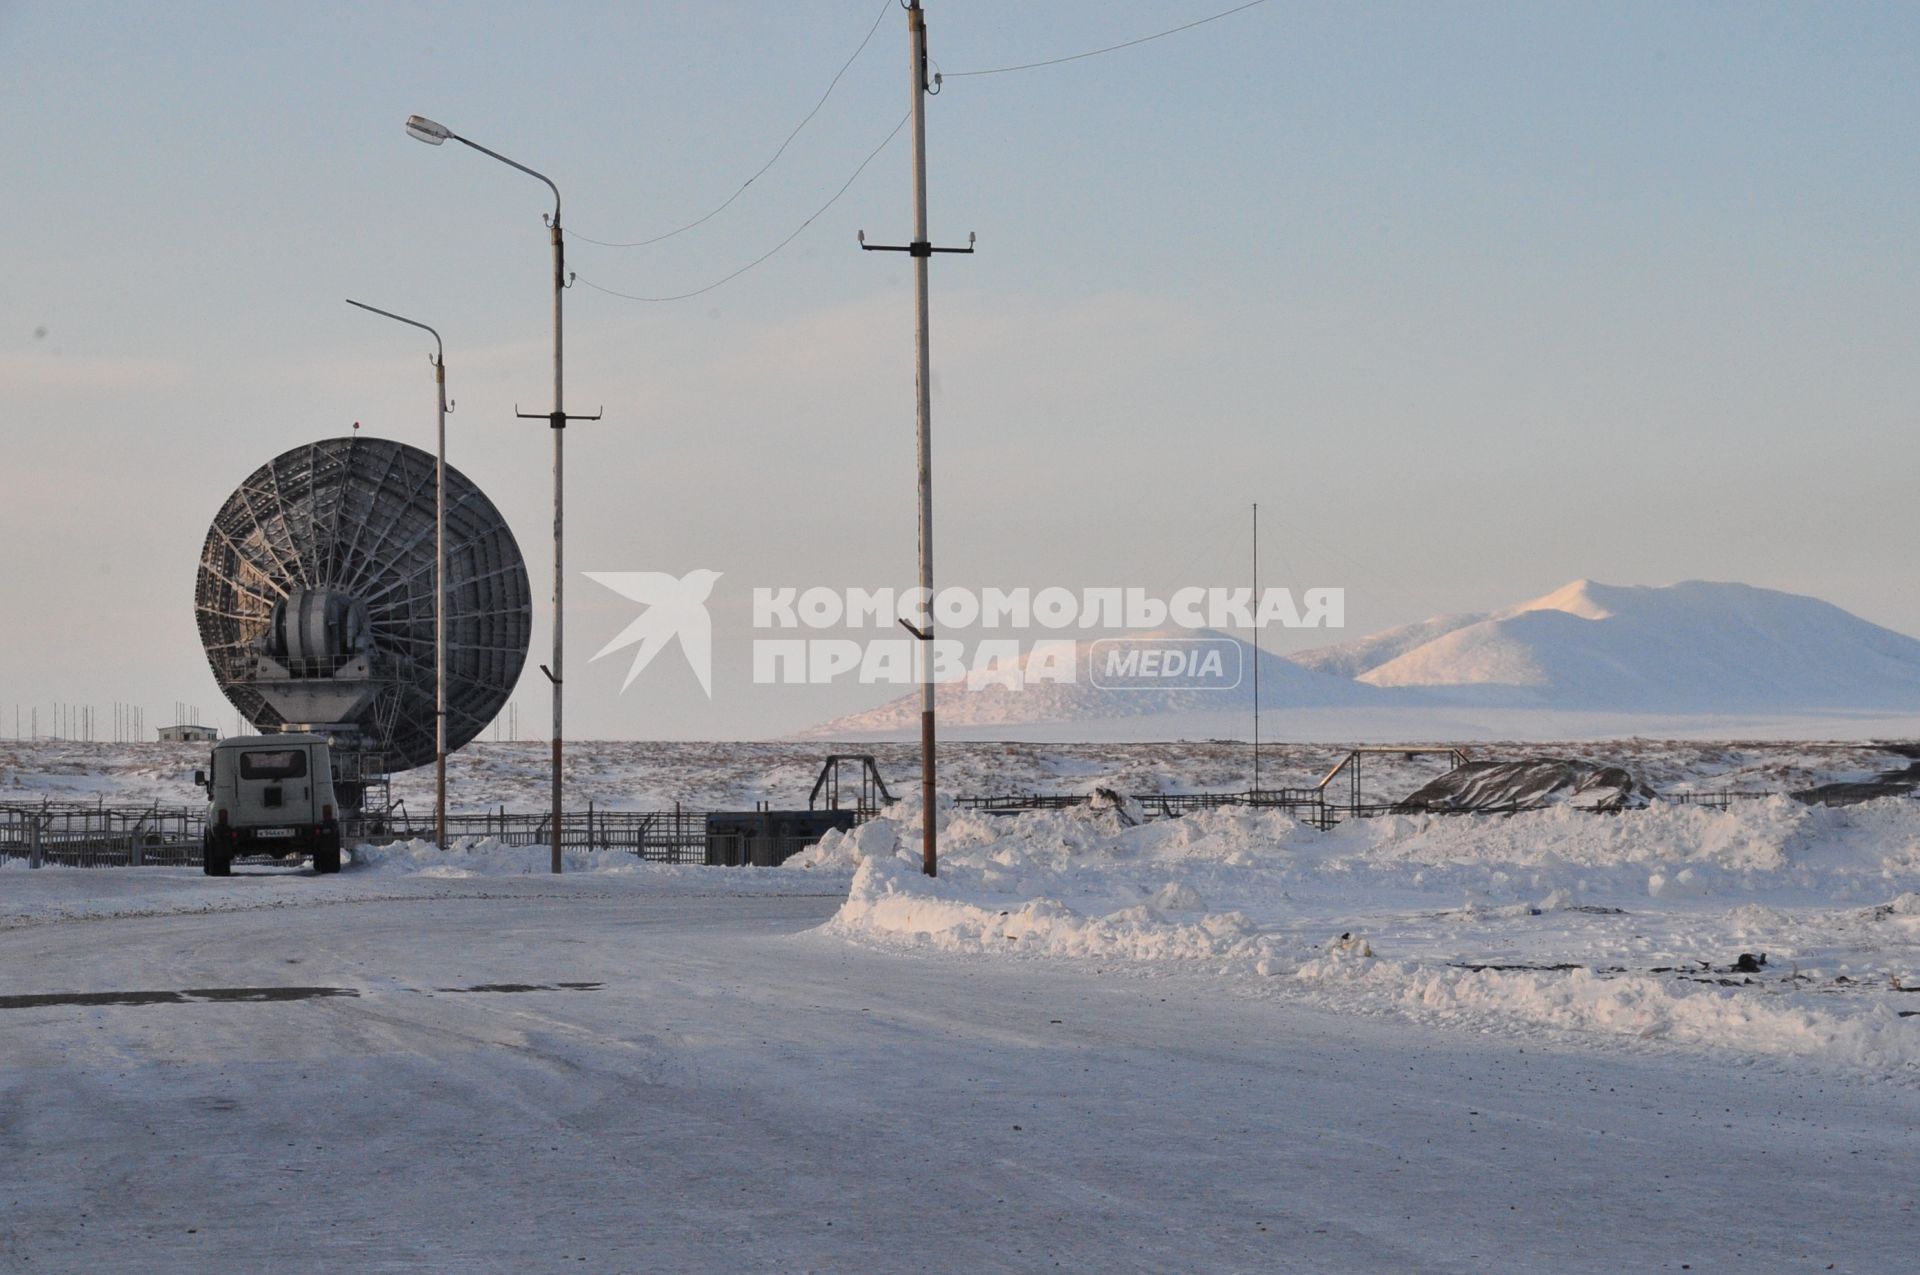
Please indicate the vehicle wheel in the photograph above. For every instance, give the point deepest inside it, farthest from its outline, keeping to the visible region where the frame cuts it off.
(325, 860)
(215, 863)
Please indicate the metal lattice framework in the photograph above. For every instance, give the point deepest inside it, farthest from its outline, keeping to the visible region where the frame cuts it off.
(356, 516)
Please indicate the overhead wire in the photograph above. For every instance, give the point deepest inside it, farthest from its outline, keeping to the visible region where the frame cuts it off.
(1111, 48)
(762, 171)
(845, 186)
(874, 154)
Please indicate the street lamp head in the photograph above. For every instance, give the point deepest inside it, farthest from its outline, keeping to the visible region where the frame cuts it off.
(420, 128)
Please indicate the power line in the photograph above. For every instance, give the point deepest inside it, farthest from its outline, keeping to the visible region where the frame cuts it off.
(1111, 48)
(874, 154)
(833, 84)
(682, 296)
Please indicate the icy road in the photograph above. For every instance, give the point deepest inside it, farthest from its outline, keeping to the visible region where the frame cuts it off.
(523, 1074)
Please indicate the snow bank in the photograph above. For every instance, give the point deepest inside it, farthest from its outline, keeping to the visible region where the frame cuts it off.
(891, 897)
(1644, 1008)
(1633, 909)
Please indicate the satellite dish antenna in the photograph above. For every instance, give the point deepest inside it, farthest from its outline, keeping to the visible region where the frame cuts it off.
(315, 601)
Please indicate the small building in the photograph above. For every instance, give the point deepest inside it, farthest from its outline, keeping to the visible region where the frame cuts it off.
(184, 734)
(767, 838)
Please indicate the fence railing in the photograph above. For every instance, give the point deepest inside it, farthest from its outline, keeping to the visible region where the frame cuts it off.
(101, 835)
(1719, 800)
(678, 835)
(1310, 805)
(87, 836)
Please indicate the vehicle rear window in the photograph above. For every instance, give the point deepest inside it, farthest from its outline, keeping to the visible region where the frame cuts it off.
(278, 763)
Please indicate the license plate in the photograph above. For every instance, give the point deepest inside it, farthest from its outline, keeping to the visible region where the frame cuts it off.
(273, 832)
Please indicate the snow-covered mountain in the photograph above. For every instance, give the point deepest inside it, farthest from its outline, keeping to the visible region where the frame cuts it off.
(1351, 659)
(1283, 684)
(1688, 648)
(1585, 661)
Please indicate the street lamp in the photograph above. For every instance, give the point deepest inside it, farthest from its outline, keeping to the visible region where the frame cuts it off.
(422, 129)
(439, 361)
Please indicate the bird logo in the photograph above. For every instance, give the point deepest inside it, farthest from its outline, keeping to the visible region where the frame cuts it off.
(676, 607)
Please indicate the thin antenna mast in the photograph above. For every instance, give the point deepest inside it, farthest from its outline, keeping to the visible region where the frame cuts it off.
(1256, 648)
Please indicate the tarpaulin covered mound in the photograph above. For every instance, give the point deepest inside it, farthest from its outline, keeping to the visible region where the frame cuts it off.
(1888, 783)
(1530, 784)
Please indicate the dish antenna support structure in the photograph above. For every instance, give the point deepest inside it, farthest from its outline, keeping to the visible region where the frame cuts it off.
(315, 601)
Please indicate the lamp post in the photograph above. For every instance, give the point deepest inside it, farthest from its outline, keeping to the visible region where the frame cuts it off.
(439, 361)
(426, 130)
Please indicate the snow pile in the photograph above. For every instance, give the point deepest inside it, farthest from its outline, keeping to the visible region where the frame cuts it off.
(845, 850)
(1808, 846)
(1640, 1007)
(891, 897)
(1557, 920)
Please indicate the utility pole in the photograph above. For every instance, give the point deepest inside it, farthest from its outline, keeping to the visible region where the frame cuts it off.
(922, 250)
(557, 421)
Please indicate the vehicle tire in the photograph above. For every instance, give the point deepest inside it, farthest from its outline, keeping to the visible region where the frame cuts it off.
(326, 859)
(214, 862)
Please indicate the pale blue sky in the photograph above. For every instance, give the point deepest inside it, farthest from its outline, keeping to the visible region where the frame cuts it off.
(1474, 299)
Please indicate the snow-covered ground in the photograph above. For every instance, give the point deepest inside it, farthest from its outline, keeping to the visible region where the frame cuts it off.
(646, 775)
(1625, 930)
(1620, 929)
(663, 1069)
(1228, 1041)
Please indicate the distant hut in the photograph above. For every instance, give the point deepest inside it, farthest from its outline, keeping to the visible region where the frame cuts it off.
(184, 734)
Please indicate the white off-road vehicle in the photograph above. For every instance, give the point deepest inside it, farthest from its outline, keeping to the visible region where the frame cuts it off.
(270, 795)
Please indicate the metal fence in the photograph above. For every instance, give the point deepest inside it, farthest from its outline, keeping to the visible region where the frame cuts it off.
(1720, 800)
(160, 836)
(101, 835)
(1309, 805)
(678, 835)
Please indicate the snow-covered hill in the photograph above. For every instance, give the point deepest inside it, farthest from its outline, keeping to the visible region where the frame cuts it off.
(1692, 647)
(1351, 659)
(1585, 661)
(1283, 684)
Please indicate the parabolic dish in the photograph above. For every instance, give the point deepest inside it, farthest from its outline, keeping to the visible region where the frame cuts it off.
(333, 542)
